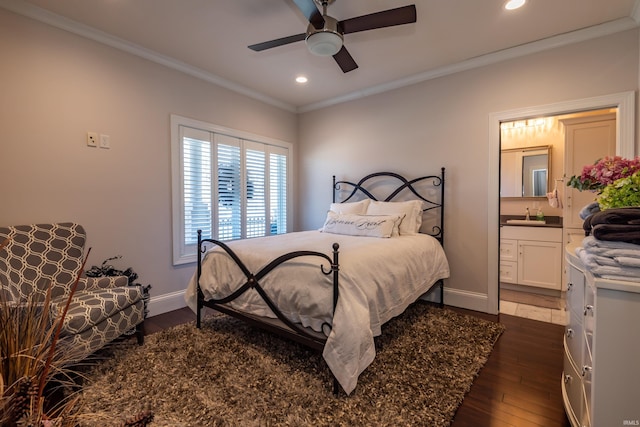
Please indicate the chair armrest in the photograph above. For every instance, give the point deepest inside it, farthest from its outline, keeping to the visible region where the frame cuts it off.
(89, 283)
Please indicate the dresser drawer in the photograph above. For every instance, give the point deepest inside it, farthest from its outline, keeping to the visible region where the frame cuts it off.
(587, 392)
(589, 320)
(508, 272)
(574, 341)
(586, 410)
(568, 409)
(575, 291)
(572, 389)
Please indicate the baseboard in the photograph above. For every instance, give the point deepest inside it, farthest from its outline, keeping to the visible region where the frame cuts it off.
(167, 302)
(453, 297)
(531, 290)
(458, 298)
(468, 300)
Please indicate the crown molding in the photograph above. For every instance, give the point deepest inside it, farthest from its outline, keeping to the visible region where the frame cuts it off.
(577, 36)
(635, 13)
(58, 21)
(34, 12)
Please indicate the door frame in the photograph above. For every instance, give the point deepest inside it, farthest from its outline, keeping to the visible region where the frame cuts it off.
(625, 147)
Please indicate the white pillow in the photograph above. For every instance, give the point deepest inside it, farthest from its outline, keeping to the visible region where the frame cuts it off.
(410, 212)
(359, 208)
(361, 225)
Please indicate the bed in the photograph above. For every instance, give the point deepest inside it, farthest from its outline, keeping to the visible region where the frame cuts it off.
(332, 289)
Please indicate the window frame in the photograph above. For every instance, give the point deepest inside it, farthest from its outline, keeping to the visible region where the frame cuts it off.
(183, 253)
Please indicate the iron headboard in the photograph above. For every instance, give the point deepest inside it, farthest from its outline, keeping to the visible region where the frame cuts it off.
(366, 183)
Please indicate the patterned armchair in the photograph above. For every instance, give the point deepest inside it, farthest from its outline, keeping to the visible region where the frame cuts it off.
(102, 308)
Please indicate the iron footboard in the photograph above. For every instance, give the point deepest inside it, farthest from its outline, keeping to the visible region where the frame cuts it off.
(286, 327)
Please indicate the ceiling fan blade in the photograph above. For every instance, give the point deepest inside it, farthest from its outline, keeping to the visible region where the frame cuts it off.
(311, 12)
(344, 60)
(277, 42)
(386, 18)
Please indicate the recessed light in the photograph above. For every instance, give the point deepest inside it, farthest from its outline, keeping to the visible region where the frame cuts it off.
(514, 4)
(301, 79)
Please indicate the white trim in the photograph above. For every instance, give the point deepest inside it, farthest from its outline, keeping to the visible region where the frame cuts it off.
(625, 146)
(458, 298)
(635, 13)
(197, 124)
(465, 299)
(58, 21)
(167, 302)
(180, 255)
(589, 33)
(453, 297)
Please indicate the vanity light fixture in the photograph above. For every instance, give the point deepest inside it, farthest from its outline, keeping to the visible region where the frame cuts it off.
(528, 125)
(301, 79)
(514, 4)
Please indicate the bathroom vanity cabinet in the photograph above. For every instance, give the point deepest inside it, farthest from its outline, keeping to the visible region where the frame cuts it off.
(601, 373)
(531, 256)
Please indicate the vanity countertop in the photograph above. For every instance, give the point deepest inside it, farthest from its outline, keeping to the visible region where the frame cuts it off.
(550, 221)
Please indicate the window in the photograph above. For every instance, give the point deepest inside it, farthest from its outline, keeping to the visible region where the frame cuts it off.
(227, 183)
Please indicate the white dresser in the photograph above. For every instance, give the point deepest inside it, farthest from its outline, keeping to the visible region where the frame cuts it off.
(601, 375)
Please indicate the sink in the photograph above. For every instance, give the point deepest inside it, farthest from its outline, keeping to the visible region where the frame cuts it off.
(526, 222)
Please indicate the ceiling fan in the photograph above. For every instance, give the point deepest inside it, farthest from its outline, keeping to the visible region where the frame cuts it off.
(325, 35)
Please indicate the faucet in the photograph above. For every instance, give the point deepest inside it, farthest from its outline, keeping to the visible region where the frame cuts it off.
(528, 215)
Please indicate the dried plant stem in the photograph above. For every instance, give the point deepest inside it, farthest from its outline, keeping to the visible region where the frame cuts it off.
(56, 336)
(30, 357)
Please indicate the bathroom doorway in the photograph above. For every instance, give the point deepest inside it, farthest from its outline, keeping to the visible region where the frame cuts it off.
(624, 105)
(532, 282)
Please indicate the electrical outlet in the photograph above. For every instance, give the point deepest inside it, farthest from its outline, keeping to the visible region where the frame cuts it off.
(92, 139)
(105, 141)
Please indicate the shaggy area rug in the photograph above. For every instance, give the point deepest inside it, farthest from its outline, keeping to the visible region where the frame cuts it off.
(230, 374)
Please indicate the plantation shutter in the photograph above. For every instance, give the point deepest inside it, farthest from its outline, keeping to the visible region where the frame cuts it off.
(226, 185)
(196, 167)
(255, 167)
(230, 194)
(278, 190)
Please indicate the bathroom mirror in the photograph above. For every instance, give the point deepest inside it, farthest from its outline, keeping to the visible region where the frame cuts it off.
(524, 172)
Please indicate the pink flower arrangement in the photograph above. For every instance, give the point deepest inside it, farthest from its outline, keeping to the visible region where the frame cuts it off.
(604, 172)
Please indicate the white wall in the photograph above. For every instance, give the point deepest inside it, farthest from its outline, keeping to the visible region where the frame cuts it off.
(444, 122)
(56, 86)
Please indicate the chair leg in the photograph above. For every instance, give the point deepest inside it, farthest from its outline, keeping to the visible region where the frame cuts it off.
(140, 333)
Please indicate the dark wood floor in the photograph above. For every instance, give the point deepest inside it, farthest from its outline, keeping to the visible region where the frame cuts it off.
(519, 386)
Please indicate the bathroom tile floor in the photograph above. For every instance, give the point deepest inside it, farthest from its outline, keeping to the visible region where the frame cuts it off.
(543, 314)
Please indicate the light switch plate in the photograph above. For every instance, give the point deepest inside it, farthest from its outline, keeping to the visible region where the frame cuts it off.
(105, 141)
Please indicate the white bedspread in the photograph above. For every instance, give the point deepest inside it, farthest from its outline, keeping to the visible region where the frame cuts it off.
(379, 278)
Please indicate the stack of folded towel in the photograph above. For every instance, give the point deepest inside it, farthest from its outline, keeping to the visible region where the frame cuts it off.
(618, 225)
(611, 259)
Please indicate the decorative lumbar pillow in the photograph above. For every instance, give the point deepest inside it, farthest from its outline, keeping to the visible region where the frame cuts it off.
(410, 211)
(359, 208)
(361, 225)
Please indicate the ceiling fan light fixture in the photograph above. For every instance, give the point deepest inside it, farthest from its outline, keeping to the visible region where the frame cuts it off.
(324, 43)
(514, 4)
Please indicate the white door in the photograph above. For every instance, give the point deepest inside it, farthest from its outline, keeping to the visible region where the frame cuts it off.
(587, 139)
